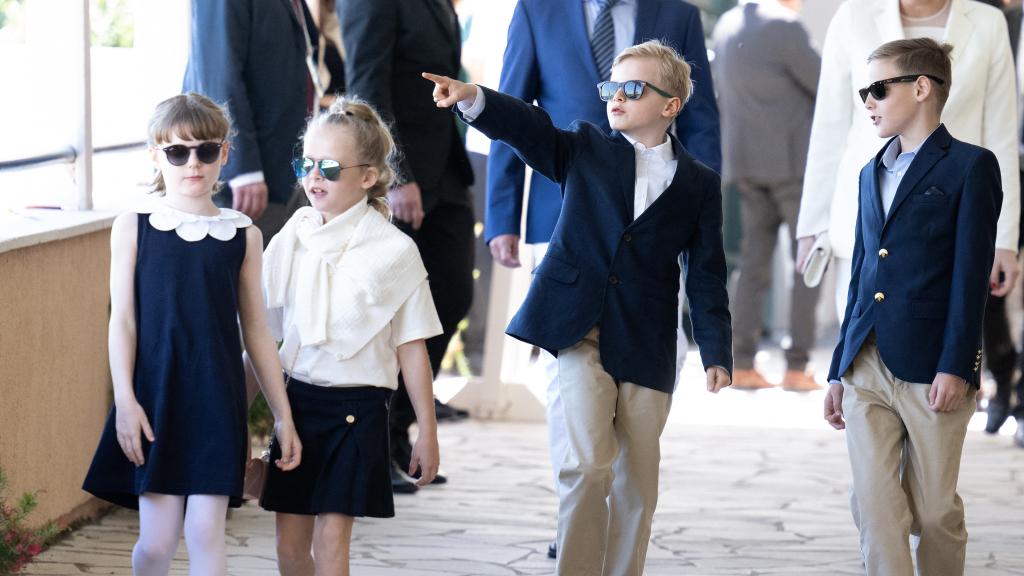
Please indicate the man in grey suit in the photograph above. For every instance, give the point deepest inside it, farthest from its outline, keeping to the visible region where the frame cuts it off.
(767, 76)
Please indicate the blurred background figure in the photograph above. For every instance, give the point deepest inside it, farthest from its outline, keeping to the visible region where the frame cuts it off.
(386, 46)
(257, 58)
(766, 76)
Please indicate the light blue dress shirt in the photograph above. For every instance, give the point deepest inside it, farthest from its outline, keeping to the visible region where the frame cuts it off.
(623, 18)
(892, 169)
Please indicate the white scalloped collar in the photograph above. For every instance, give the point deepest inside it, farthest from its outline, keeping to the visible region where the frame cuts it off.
(194, 227)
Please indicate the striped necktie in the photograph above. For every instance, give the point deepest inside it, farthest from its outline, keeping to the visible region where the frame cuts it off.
(602, 43)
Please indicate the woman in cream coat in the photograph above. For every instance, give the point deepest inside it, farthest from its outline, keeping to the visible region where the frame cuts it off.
(981, 110)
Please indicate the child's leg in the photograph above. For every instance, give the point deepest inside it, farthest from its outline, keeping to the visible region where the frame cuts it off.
(875, 439)
(294, 543)
(588, 398)
(331, 539)
(640, 417)
(205, 517)
(160, 517)
(934, 446)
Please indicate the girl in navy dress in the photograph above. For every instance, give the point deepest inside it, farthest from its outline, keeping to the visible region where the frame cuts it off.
(347, 294)
(182, 280)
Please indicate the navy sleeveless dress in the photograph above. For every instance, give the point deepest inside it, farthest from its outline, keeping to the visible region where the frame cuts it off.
(188, 373)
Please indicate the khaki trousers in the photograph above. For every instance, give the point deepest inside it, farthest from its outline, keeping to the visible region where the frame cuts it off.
(608, 480)
(906, 460)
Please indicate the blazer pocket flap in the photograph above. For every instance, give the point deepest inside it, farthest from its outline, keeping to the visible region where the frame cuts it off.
(932, 194)
(557, 270)
(935, 309)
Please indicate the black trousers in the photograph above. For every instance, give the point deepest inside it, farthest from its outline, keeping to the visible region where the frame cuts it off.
(446, 244)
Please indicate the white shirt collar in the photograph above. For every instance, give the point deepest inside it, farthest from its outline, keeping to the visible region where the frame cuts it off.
(663, 151)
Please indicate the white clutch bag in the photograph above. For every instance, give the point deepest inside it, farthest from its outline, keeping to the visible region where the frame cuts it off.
(817, 260)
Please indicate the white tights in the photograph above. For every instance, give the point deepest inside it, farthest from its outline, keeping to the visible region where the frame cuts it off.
(160, 527)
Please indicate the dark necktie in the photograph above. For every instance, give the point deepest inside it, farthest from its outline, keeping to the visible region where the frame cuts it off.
(602, 43)
(310, 88)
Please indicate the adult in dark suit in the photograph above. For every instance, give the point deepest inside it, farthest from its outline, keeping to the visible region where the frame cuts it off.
(388, 43)
(251, 56)
(549, 59)
(767, 75)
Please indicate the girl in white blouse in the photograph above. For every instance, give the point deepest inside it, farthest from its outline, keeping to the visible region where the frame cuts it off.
(347, 295)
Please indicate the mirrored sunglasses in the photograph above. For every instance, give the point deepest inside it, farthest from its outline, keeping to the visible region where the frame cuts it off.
(631, 89)
(207, 152)
(879, 90)
(329, 169)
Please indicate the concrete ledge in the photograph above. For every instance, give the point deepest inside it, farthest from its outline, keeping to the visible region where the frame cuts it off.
(31, 227)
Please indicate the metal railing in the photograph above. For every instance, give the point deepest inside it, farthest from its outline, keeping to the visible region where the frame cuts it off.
(66, 156)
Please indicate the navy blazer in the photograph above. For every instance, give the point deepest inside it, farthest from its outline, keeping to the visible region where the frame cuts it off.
(548, 59)
(251, 56)
(605, 269)
(920, 276)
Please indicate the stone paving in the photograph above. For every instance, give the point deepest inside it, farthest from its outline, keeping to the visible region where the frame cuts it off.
(752, 483)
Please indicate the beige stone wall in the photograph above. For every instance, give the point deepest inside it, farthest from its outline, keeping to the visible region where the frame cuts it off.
(54, 381)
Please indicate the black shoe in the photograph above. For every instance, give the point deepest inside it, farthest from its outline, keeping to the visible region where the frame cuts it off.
(439, 479)
(447, 413)
(998, 412)
(399, 483)
(1018, 436)
(553, 550)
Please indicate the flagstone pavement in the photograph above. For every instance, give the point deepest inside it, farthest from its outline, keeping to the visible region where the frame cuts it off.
(752, 483)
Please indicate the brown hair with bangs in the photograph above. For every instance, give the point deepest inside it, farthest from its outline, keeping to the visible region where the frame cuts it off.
(922, 56)
(189, 116)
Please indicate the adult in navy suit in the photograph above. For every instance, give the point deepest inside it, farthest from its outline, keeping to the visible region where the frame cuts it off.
(550, 59)
(387, 44)
(909, 351)
(251, 56)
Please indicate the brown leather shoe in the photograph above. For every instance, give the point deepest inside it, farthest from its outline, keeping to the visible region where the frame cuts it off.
(749, 380)
(799, 381)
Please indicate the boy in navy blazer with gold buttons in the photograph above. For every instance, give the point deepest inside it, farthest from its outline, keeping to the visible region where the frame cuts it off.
(604, 299)
(910, 345)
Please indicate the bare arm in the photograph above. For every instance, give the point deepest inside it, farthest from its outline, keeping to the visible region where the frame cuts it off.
(262, 351)
(130, 419)
(415, 365)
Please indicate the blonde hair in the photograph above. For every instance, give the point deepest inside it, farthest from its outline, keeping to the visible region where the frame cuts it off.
(374, 143)
(189, 116)
(922, 56)
(673, 70)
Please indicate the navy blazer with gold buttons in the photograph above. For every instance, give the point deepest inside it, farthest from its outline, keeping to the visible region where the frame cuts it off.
(602, 267)
(920, 276)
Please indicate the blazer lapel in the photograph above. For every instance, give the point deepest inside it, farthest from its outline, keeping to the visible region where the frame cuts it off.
(874, 192)
(888, 21)
(959, 29)
(682, 174)
(933, 149)
(577, 18)
(646, 19)
(625, 167)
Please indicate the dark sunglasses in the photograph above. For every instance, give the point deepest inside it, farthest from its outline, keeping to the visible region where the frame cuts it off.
(631, 89)
(207, 152)
(330, 169)
(879, 90)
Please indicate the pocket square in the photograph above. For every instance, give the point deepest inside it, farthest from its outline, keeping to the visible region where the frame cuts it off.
(933, 191)
(817, 260)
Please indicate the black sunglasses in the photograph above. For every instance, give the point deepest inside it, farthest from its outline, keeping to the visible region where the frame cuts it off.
(330, 169)
(207, 152)
(631, 89)
(879, 90)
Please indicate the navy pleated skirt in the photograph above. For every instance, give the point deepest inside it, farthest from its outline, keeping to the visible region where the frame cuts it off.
(346, 464)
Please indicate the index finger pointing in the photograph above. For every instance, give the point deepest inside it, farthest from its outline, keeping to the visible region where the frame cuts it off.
(434, 78)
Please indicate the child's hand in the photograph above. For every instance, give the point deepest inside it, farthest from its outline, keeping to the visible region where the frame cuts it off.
(448, 92)
(425, 459)
(947, 392)
(291, 447)
(834, 406)
(131, 423)
(718, 378)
